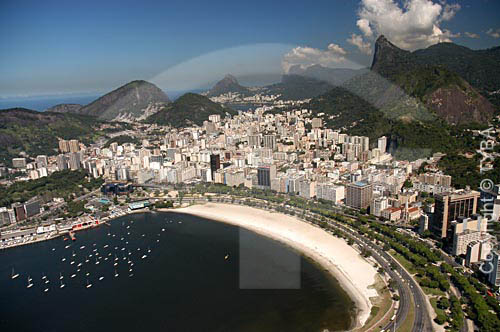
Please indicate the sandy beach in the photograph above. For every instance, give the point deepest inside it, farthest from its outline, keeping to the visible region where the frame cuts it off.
(355, 274)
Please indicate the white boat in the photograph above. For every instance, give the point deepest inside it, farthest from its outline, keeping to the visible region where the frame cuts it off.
(61, 276)
(63, 259)
(62, 285)
(131, 275)
(53, 249)
(87, 274)
(43, 276)
(29, 279)
(163, 229)
(67, 246)
(123, 249)
(46, 290)
(157, 241)
(90, 255)
(82, 247)
(73, 254)
(130, 270)
(144, 256)
(30, 284)
(78, 270)
(128, 227)
(115, 264)
(72, 262)
(73, 275)
(105, 258)
(14, 275)
(116, 274)
(47, 281)
(79, 264)
(101, 278)
(105, 246)
(88, 284)
(149, 250)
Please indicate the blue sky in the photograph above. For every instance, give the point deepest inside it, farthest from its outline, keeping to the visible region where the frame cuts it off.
(53, 47)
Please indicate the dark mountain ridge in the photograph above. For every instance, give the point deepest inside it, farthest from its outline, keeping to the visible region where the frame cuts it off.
(189, 109)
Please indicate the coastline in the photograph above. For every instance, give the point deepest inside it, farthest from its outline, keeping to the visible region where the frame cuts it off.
(355, 275)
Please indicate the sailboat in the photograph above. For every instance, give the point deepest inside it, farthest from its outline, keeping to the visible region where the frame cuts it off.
(144, 256)
(30, 284)
(96, 261)
(61, 277)
(14, 275)
(46, 290)
(116, 273)
(149, 250)
(62, 285)
(86, 259)
(73, 275)
(88, 284)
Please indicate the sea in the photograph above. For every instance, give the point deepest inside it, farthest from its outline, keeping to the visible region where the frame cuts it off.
(162, 272)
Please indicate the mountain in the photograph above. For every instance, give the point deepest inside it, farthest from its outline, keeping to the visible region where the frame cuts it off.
(129, 101)
(333, 76)
(228, 84)
(65, 108)
(38, 132)
(189, 109)
(421, 107)
(480, 68)
(438, 88)
(297, 87)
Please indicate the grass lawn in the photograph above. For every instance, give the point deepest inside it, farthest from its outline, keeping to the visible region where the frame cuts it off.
(403, 261)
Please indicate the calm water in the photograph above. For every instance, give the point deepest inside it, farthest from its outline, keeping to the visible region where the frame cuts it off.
(184, 284)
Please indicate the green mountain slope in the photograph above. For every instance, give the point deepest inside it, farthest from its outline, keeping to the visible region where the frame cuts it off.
(480, 68)
(38, 132)
(189, 109)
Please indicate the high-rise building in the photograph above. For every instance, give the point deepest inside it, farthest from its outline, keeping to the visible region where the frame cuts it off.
(214, 164)
(63, 146)
(270, 141)
(317, 123)
(265, 174)
(41, 161)
(378, 205)
(382, 144)
(19, 162)
(254, 140)
(74, 160)
(74, 146)
(494, 276)
(451, 206)
(62, 162)
(19, 211)
(359, 195)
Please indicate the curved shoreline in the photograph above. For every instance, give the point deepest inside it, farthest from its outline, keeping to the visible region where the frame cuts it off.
(354, 273)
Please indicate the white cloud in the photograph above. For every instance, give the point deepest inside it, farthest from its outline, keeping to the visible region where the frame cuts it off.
(357, 41)
(471, 35)
(415, 24)
(364, 25)
(449, 11)
(307, 56)
(493, 33)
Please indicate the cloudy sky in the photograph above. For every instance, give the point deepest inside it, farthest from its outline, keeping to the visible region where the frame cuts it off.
(58, 47)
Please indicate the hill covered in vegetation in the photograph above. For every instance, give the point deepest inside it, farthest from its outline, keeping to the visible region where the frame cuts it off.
(189, 109)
